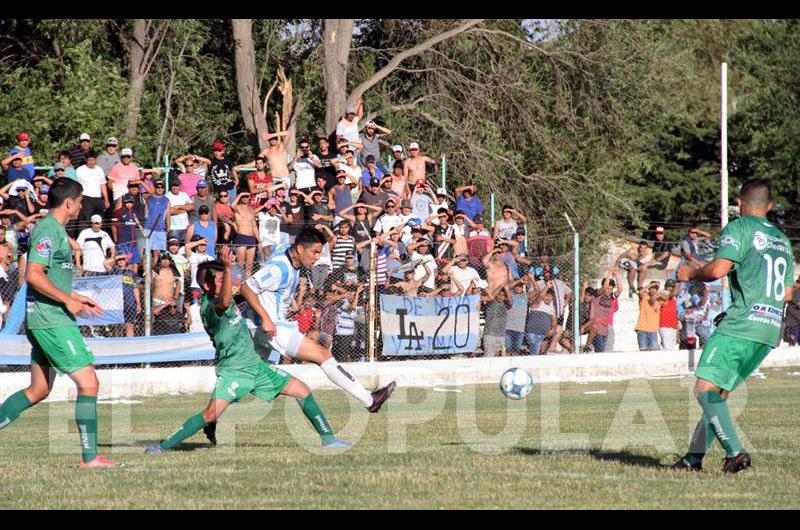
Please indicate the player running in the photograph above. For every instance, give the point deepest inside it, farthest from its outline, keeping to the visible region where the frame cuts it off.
(56, 342)
(758, 259)
(240, 370)
(270, 292)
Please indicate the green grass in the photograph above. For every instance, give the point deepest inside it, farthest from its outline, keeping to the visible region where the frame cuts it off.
(444, 464)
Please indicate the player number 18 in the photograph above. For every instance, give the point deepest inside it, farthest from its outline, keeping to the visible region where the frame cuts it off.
(779, 268)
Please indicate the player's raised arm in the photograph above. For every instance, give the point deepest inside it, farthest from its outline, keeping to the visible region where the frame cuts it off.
(226, 294)
(709, 272)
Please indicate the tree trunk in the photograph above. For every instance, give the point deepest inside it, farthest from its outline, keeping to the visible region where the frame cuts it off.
(246, 82)
(338, 35)
(136, 78)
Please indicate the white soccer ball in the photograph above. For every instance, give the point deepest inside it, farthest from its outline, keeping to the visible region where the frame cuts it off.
(516, 383)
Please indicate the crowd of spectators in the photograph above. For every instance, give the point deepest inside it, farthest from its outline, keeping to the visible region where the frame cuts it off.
(357, 188)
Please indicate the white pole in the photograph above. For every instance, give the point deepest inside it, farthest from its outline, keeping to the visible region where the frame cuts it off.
(724, 148)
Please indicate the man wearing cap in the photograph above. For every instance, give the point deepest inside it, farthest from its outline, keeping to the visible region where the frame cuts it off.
(414, 167)
(110, 157)
(662, 250)
(157, 219)
(124, 172)
(390, 219)
(422, 198)
(16, 197)
(397, 154)
(77, 154)
(468, 202)
(421, 251)
(347, 127)
(277, 156)
(269, 227)
(127, 232)
(318, 212)
(220, 172)
(370, 171)
(202, 198)
(196, 253)
(12, 165)
(23, 147)
(462, 275)
(64, 164)
(370, 140)
(373, 195)
(205, 228)
(668, 316)
(326, 158)
(95, 191)
(96, 246)
(247, 233)
(340, 196)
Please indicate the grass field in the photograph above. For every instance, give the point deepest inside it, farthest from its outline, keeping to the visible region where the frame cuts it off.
(445, 462)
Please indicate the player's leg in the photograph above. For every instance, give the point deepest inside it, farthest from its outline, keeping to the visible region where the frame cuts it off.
(300, 391)
(42, 378)
(215, 408)
(86, 416)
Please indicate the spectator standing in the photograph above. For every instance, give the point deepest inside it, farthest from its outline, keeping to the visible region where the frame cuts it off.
(343, 245)
(515, 321)
(506, 227)
(648, 323)
(14, 170)
(23, 147)
(95, 192)
(200, 166)
(468, 202)
(399, 182)
(340, 196)
(165, 295)
(326, 159)
(541, 319)
(220, 172)
(124, 172)
(374, 195)
(202, 198)
(305, 168)
(196, 253)
(689, 247)
(347, 127)
(662, 251)
(131, 294)
(370, 140)
(421, 253)
(414, 167)
(345, 347)
(462, 276)
(77, 154)
(277, 157)
(127, 232)
(182, 265)
(246, 239)
(496, 307)
(269, 227)
(179, 207)
(189, 179)
(157, 219)
(258, 181)
(397, 154)
(205, 228)
(370, 171)
(64, 164)
(225, 224)
(110, 157)
(606, 303)
(96, 246)
(668, 318)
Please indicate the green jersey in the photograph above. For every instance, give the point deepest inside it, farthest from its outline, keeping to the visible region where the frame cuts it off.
(763, 265)
(230, 336)
(49, 246)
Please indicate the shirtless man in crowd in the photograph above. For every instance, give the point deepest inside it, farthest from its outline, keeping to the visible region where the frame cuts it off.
(246, 240)
(166, 285)
(410, 286)
(276, 156)
(497, 273)
(414, 167)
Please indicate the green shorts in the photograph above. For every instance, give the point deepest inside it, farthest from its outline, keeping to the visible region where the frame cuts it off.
(63, 349)
(728, 361)
(262, 380)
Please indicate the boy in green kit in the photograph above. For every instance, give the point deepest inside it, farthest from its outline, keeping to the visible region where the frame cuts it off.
(240, 370)
(758, 260)
(56, 342)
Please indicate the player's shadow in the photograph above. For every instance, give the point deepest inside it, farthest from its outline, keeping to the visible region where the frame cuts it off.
(623, 457)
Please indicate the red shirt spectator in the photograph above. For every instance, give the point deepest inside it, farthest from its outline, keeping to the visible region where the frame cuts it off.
(668, 318)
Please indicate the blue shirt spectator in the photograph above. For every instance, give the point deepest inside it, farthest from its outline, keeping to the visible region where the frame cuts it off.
(468, 202)
(23, 141)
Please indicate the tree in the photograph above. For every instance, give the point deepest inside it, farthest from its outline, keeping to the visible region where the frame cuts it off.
(143, 48)
(247, 86)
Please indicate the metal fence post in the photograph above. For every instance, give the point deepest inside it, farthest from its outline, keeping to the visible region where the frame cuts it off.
(576, 288)
(148, 318)
(372, 295)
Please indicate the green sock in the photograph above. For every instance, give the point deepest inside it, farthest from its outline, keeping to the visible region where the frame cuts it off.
(715, 409)
(15, 405)
(188, 429)
(702, 438)
(317, 418)
(86, 419)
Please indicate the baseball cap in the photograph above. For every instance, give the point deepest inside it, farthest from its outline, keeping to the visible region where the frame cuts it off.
(397, 148)
(413, 145)
(369, 159)
(196, 237)
(273, 203)
(202, 210)
(370, 123)
(420, 182)
(134, 183)
(20, 188)
(521, 231)
(390, 200)
(405, 203)
(659, 230)
(351, 109)
(350, 254)
(217, 146)
(159, 184)
(127, 198)
(23, 136)
(84, 136)
(374, 182)
(126, 152)
(441, 191)
(670, 283)
(44, 189)
(174, 240)
(461, 257)
(97, 219)
(58, 166)
(202, 183)
(91, 153)
(413, 222)
(112, 141)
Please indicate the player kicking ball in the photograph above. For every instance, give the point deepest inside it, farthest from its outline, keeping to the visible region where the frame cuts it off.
(240, 370)
(757, 257)
(56, 342)
(270, 291)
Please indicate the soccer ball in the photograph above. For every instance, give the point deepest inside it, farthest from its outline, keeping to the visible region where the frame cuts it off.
(516, 383)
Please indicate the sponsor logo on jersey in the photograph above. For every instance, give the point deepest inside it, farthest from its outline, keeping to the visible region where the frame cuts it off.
(44, 247)
(759, 241)
(762, 241)
(729, 240)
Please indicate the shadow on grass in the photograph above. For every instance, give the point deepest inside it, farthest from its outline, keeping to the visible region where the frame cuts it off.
(623, 457)
(192, 446)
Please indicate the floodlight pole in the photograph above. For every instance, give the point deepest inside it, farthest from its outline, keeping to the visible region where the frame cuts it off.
(576, 288)
(724, 147)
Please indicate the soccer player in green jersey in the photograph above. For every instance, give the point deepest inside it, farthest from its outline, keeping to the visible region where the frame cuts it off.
(56, 342)
(240, 370)
(757, 258)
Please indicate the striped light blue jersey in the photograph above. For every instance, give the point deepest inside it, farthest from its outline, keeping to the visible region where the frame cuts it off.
(275, 285)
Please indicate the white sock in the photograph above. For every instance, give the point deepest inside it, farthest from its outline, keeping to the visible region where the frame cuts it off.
(341, 378)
